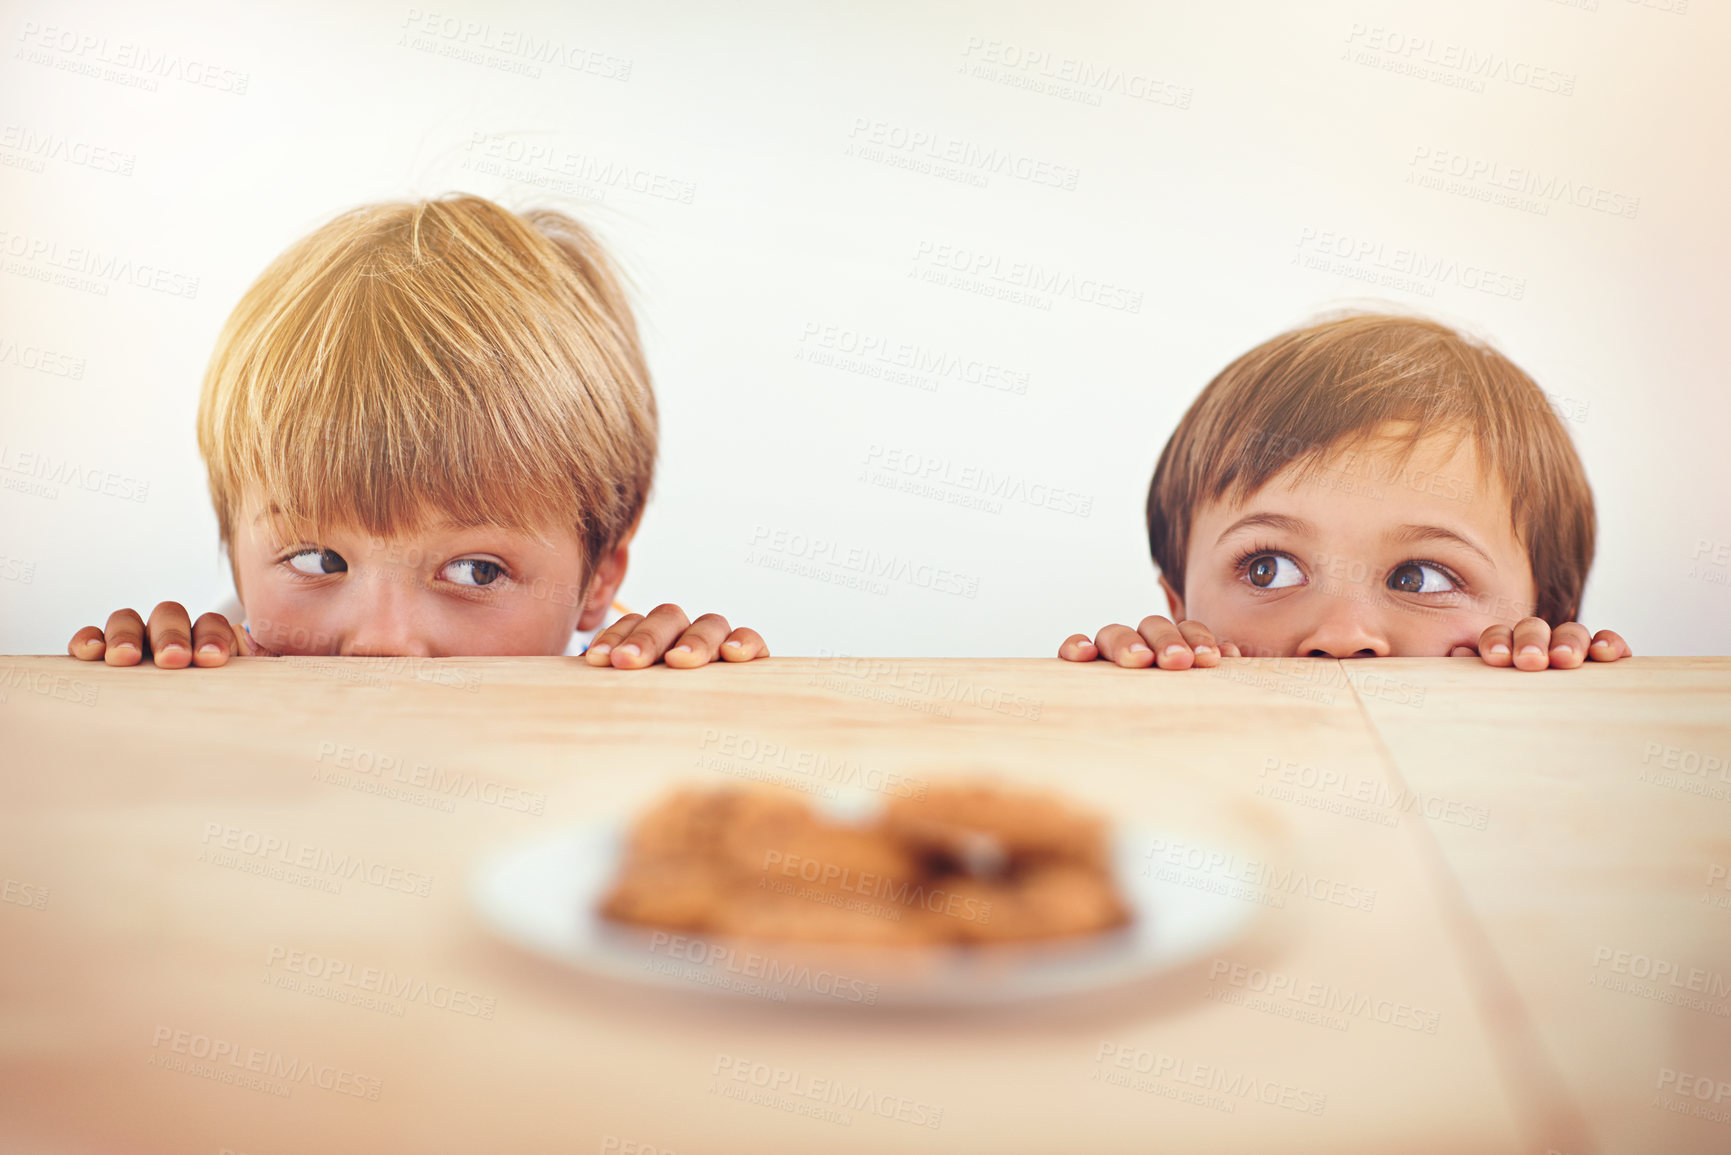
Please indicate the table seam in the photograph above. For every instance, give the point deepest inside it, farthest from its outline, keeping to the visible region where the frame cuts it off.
(1491, 987)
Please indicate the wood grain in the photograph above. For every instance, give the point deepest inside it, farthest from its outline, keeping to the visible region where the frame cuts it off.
(121, 787)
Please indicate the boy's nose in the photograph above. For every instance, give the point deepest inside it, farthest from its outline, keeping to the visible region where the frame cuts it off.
(1345, 630)
(385, 624)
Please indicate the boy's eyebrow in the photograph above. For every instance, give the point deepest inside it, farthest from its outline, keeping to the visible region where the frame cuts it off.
(1406, 533)
(1293, 525)
(1417, 533)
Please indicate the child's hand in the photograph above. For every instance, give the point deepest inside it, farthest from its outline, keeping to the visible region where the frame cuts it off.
(170, 638)
(1155, 642)
(1535, 646)
(635, 641)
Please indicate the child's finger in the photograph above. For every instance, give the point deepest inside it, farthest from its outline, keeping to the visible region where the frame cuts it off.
(698, 645)
(87, 644)
(600, 650)
(743, 645)
(644, 645)
(1201, 642)
(1608, 646)
(170, 636)
(212, 640)
(1532, 643)
(1171, 651)
(1496, 646)
(1077, 648)
(125, 634)
(1568, 646)
(1229, 650)
(1123, 646)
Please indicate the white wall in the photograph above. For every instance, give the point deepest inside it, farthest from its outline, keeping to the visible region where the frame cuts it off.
(1269, 125)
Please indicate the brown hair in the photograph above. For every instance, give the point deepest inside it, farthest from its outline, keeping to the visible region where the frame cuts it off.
(1328, 386)
(440, 356)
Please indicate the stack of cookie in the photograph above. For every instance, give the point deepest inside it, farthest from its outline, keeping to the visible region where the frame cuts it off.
(965, 862)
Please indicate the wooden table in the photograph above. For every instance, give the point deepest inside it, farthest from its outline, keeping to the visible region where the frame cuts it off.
(1511, 890)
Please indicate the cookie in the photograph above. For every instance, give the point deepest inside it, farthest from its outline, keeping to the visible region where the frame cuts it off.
(805, 913)
(972, 862)
(675, 893)
(1055, 900)
(983, 824)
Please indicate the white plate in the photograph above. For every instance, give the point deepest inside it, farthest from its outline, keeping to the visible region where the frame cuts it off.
(545, 896)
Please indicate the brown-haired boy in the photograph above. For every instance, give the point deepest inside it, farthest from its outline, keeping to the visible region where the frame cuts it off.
(430, 431)
(1368, 486)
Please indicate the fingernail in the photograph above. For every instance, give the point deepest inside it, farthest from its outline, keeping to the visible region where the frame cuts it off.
(678, 649)
(1173, 651)
(601, 649)
(1139, 648)
(125, 646)
(1565, 650)
(1200, 650)
(1531, 649)
(210, 648)
(726, 645)
(1499, 649)
(630, 648)
(1601, 644)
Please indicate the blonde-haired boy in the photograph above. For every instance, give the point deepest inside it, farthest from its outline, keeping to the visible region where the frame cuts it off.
(429, 431)
(1368, 486)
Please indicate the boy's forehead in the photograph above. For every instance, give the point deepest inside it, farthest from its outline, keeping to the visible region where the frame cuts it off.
(1390, 450)
(1376, 483)
(425, 524)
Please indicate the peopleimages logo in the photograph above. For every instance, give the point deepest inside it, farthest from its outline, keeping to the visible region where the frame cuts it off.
(1399, 266)
(832, 554)
(1521, 180)
(928, 473)
(831, 769)
(1226, 1086)
(718, 960)
(231, 846)
(1458, 65)
(46, 467)
(1324, 996)
(1066, 77)
(36, 147)
(1659, 970)
(1377, 797)
(882, 140)
(899, 892)
(1694, 1086)
(508, 49)
(424, 782)
(88, 268)
(863, 350)
(226, 1061)
(1198, 866)
(124, 61)
(933, 257)
(41, 359)
(837, 1093)
(380, 981)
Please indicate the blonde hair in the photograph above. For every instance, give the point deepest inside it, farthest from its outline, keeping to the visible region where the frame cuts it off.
(1330, 385)
(442, 356)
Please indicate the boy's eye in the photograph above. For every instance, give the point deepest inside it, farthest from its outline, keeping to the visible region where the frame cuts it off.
(473, 571)
(1272, 571)
(1418, 578)
(314, 562)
